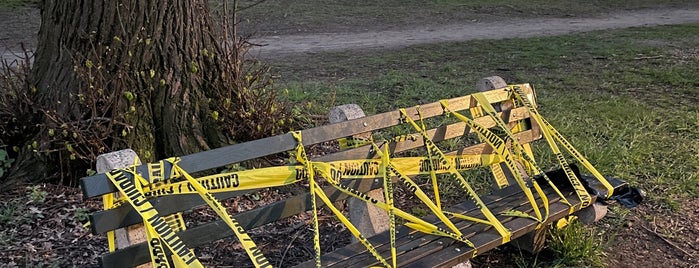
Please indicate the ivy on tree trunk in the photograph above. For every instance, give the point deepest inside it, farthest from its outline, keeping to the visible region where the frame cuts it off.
(112, 74)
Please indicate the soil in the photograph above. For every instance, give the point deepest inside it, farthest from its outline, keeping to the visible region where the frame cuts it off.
(280, 45)
(51, 232)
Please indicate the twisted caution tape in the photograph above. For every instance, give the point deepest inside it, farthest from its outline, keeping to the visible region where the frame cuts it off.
(551, 133)
(168, 178)
(456, 176)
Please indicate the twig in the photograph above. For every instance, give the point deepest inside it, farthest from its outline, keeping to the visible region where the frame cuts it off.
(252, 5)
(648, 58)
(296, 235)
(667, 241)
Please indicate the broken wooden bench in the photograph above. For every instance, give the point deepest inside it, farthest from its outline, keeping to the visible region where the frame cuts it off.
(352, 130)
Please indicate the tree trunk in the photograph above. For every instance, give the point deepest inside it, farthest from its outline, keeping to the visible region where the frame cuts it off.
(148, 67)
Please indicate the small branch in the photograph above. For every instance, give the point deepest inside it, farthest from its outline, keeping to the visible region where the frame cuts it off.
(648, 58)
(252, 5)
(667, 241)
(296, 235)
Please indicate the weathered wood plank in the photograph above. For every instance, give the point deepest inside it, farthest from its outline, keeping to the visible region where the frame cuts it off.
(98, 184)
(107, 220)
(111, 219)
(487, 240)
(483, 239)
(437, 134)
(382, 239)
(138, 254)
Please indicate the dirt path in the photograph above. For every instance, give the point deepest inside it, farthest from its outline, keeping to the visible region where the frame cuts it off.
(276, 46)
(21, 27)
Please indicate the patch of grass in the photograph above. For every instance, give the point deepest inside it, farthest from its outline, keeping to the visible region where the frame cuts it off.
(574, 246)
(8, 212)
(628, 99)
(287, 17)
(6, 5)
(36, 194)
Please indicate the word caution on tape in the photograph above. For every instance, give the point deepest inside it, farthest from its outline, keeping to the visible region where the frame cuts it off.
(491, 127)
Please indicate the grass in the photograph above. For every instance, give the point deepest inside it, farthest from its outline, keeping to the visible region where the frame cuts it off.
(7, 5)
(628, 99)
(274, 17)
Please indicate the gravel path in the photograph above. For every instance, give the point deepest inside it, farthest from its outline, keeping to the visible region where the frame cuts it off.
(21, 27)
(464, 31)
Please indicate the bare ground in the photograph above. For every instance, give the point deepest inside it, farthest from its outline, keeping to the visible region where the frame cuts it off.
(50, 232)
(277, 45)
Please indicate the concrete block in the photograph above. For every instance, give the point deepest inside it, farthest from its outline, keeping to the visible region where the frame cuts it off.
(368, 219)
(490, 82)
(532, 242)
(347, 112)
(466, 264)
(592, 213)
(121, 159)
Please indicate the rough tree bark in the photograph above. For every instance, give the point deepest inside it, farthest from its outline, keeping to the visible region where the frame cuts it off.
(159, 58)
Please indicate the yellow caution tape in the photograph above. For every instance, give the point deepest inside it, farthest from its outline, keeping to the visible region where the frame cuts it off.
(499, 146)
(415, 189)
(155, 245)
(352, 142)
(456, 176)
(256, 256)
(580, 190)
(162, 233)
(551, 131)
(303, 159)
(388, 196)
(108, 203)
(286, 175)
(317, 191)
(524, 153)
(433, 163)
(495, 169)
(325, 170)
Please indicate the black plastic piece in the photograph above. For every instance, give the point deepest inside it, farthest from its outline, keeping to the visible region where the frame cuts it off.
(624, 194)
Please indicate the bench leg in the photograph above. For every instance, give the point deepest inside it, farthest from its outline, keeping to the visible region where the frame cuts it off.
(466, 264)
(135, 234)
(532, 242)
(368, 219)
(592, 214)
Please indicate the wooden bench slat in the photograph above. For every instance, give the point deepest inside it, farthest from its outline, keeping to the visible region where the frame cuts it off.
(413, 247)
(420, 241)
(212, 231)
(123, 216)
(475, 232)
(382, 239)
(488, 240)
(98, 184)
(437, 134)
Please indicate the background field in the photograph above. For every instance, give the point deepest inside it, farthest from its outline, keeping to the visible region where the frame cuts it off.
(627, 98)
